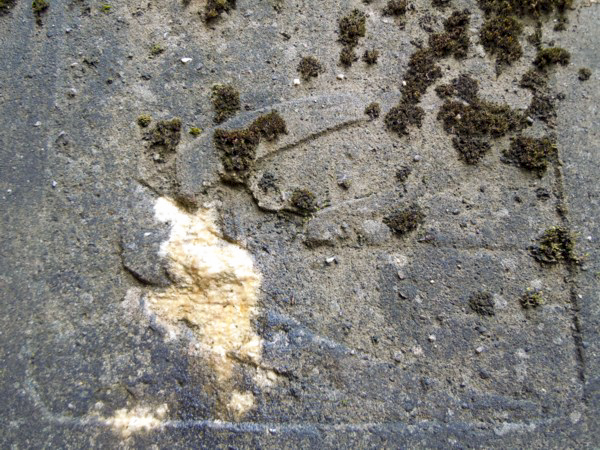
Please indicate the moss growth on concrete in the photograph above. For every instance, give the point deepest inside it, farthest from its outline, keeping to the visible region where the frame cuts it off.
(226, 102)
(500, 37)
(422, 72)
(534, 80)
(404, 221)
(403, 173)
(542, 107)
(156, 49)
(474, 124)
(440, 3)
(304, 201)
(373, 110)
(309, 67)
(371, 56)
(144, 120)
(39, 7)
(401, 117)
(195, 131)
(557, 244)
(455, 39)
(551, 56)
(269, 126)
(164, 138)
(238, 152)
(482, 303)
(347, 56)
(532, 298)
(531, 153)
(6, 5)
(584, 74)
(352, 27)
(214, 9)
(395, 8)
(522, 8)
(466, 88)
(444, 91)
(268, 182)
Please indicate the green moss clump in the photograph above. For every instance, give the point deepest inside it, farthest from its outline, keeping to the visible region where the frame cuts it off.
(422, 72)
(371, 56)
(522, 8)
(534, 80)
(214, 9)
(238, 147)
(238, 152)
(500, 37)
(551, 56)
(304, 201)
(144, 120)
(455, 39)
(352, 27)
(532, 298)
(269, 126)
(164, 138)
(395, 8)
(584, 74)
(347, 56)
(482, 303)
(405, 220)
(309, 67)
(195, 131)
(156, 49)
(6, 5)
(531, 153)
(226, 102)
(106, 8)
(475, 123)
(373, 110)
(555, 245)
(39, 7)
(400, 117)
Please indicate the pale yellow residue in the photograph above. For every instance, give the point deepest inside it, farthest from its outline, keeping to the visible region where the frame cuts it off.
(127, 422)
(240, 403)
(215, 291)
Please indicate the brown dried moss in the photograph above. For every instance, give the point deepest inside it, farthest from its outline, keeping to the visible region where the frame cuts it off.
(309, 67)
(531, 153)
(269, 126)
(557, 244)
(405, 220)
(371, 56)
(238, 152)
(482, 303)
(214, 9)
(551, 56)
(164, 138)
(373, 110)
(455, 39)
(226, 102)
(395, 8)
(500, 37)
(352, 27)
(304, 201)
(401, 117)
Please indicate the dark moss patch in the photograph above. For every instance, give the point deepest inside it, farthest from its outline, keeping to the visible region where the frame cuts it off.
(535, 38)
(371, 56)
(405, 220)
(352, 27)
(6, 5)
(401, 117)
(226, 102)
(164, 138)
(551, 56)
(441, 3)
(238, 147)
(422, 72)
(455, 39)
(543, 107)
(444, 91)
(557, 244)
(269, 126)
(373, 110)
(500, 37)
(474, 124)
(482, 303)
(532, 298)
(347, 56)
(214, 9)
(584, 74)
(238, 152)
(39, 8)
(144, 120)
(534, 80)
(309, 67)
(395, 8)
(268, 182)
(403, 173)
(304, 201)
(465, 88)
(522, 8)
(531, 153)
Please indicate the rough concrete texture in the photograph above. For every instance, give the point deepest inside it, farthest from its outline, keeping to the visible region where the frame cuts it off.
(367, 336)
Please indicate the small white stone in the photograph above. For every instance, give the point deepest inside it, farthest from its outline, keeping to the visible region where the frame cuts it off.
(432, 338)
(332, 259)
(432, 281)
(72, 92)
(341, 76)
(403, 83)
(479, 349)
(417, 158)
(589, 238)
(296, 81)
(54, 183)
(37, 124)
(186, 60)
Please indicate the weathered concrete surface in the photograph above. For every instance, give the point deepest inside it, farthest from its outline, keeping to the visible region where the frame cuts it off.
(367, 337)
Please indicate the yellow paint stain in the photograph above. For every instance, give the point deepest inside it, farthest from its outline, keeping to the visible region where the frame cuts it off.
(215, 293)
